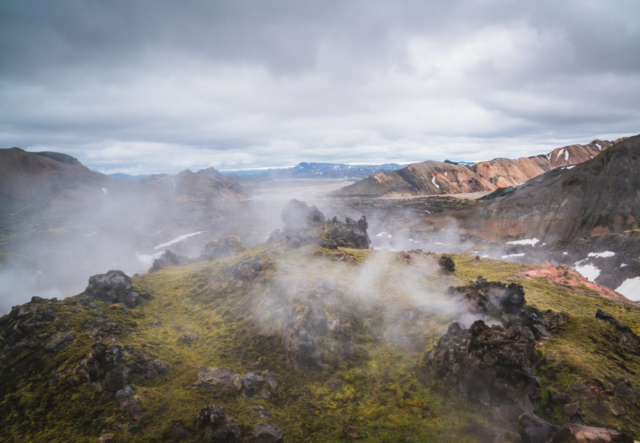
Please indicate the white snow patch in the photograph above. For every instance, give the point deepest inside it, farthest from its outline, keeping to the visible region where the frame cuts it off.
(623, 265)
(630, 288)
(571, 167)
(89, 235)
(604, 254)
(148, 259)
(174, 183)
(565, 253)
(446, 174)
(178, 239)
(105, 190)
(513, 255)
(559, 154)
(588, 271)
(433, 180)
(531, 241)
(599, 147)
(566, 155)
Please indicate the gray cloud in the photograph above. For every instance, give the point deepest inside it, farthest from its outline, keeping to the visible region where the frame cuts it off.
(159, 86)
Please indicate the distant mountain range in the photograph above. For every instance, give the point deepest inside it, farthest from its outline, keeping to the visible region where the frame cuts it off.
(304, 170)
(33, 181)
(433, 177)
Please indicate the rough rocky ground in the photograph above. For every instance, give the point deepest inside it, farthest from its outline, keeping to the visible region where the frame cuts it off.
(313, 344)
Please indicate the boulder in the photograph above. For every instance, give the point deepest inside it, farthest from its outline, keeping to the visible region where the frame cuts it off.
(447, 264)
(212, 378)
(110, 367)
(130, 403)
(267, 434)
(533, 429)
(489, 365)
(215, 427)
(112, 287)
(304, 327)
(251, 384)
(350, 234)
(167, 258)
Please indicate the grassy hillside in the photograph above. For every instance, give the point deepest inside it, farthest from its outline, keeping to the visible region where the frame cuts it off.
(218, 314)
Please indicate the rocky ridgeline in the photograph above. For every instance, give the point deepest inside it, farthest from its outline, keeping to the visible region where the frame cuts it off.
(304, 225)
(492, 366)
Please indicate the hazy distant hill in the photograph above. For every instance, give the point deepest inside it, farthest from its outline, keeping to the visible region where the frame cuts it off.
(431, 177)
(315, 171)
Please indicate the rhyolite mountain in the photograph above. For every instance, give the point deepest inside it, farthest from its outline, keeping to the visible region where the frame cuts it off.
(433, 177)
(597, 197)
(35, 181)
(300, 339)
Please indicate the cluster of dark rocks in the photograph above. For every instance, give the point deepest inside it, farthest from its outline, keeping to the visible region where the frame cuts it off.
(20, 330)
(113, 287)
(216, 427)
(492, 366)
(248, 385)
(304, 225)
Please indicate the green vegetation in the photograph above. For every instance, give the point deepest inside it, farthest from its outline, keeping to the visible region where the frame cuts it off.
(239, 323)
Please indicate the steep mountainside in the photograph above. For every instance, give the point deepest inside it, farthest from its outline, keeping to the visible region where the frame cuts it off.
(599, 196)
(31, 180)
(445, 178)
(34, 181)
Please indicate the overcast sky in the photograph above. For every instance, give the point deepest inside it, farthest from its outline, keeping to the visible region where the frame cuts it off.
(160, 86)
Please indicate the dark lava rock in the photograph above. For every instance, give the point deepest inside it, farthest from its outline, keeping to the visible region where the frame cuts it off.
(489, 365)
(492, 298)
(111, 367)
(300, 340)
(267, 434)
(59, 342)
(251, 384)
(304, 225)
(271, 380)
(223, 247)
(250, 270)
(112, 287)
(211, 378)
(215, 427)
(103, 329)
(447, 265)
(578, 433)
(350, 234)
(533, 429)
(626, 333)
(167, 258)
(350, 432)
(130, 403)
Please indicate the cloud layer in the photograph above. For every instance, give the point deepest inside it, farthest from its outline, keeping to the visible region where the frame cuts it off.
(160, 86)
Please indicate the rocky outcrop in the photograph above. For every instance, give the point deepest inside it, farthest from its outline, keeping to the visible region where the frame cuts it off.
(112, 287)
(127, 401)
(489, 365)
(249, 385)
(267, 434)
(447, 264)
(110, 367)
(223, 247)
(167, 258)
(305, 225)
(627, 335)
(215, 427)
(350, 234)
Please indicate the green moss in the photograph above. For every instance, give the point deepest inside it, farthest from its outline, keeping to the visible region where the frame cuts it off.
(239, 325)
